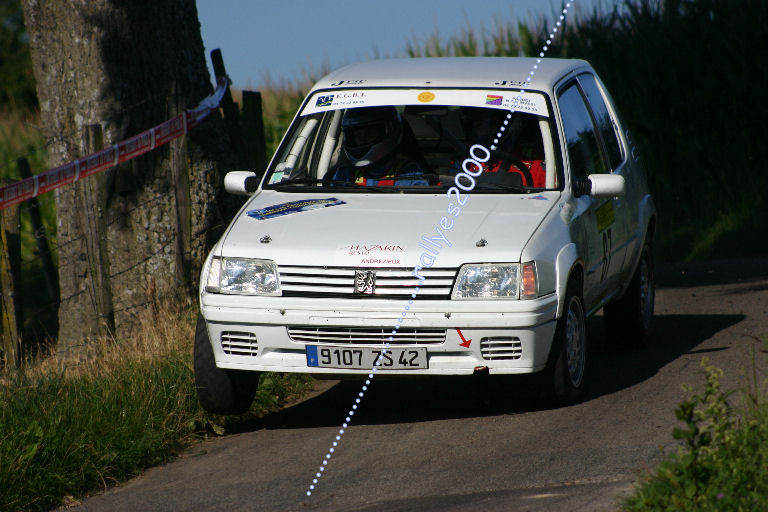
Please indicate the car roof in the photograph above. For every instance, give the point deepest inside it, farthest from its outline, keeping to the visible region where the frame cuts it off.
(484, 72)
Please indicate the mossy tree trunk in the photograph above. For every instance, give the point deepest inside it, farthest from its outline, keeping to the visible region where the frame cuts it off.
(127, 66)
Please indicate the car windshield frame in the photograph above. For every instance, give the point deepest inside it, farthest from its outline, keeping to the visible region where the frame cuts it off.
(312, 154)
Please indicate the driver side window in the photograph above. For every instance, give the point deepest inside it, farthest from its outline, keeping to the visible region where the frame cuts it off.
(580, 136)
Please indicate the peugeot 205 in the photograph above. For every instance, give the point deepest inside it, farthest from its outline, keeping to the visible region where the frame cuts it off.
(433, 217)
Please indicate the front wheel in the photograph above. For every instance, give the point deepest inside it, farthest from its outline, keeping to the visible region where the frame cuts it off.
(566, 372)
(628, 320)
(220, 391)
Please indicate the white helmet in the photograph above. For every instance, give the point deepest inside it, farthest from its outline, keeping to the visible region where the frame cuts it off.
(371, 134)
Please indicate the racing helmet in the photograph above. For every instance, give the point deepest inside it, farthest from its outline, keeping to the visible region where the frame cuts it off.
(371, 134)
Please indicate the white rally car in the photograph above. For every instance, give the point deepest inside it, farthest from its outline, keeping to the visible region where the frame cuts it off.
(433, 217)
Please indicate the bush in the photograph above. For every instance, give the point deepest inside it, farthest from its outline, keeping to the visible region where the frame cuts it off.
(722, 462)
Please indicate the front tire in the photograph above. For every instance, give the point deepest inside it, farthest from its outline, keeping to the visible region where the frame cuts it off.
(220, 391)
(628, 321)
(567, 368)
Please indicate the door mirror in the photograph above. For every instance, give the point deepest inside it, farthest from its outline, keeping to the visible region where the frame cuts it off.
(607, 185)
(243, 183)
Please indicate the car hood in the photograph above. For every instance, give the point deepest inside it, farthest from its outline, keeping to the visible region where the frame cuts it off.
(384, 229)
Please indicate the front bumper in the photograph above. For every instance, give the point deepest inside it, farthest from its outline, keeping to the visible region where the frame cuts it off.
(260, 326)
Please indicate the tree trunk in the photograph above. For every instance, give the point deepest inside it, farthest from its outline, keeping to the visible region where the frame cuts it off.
(128, 66)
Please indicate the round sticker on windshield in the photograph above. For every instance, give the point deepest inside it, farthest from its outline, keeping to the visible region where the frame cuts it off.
(426, 97)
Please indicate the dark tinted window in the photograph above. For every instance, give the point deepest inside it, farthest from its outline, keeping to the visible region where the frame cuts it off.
(583, 148)
(603, 118)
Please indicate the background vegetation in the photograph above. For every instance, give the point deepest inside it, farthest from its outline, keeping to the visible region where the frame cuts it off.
(687, 76)
(721, 463)
(68, 427)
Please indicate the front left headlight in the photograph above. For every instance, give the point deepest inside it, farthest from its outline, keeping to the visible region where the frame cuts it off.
(497, 281)
(488, 281)
(244, 276)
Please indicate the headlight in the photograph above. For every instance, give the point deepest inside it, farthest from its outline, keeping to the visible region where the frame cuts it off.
(488, 281)
(245, 276)
(496, 281)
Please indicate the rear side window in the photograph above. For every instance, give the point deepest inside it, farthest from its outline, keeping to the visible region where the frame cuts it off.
(580, 137)
(603, 118)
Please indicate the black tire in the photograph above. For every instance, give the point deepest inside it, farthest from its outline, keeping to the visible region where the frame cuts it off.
(220, 391)
(628, 321)
(567, 366)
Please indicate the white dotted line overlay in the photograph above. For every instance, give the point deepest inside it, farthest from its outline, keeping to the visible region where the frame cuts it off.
(372, 373)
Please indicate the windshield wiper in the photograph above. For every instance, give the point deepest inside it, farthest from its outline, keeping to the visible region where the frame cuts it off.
(338, 184)
(296, 181)
(506, 188)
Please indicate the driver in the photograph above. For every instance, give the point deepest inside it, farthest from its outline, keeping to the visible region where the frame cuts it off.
(519, 155)
(372, 143)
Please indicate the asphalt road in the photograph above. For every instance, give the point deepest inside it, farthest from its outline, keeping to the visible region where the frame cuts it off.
(481, 444)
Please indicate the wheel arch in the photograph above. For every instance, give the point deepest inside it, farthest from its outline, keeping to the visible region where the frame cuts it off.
(567, 266)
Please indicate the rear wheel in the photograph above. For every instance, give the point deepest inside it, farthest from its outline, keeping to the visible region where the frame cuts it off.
(566, 370)
(220, 391)
(628, 320)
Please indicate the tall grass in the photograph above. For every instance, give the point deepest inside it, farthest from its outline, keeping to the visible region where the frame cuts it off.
(21, 136)
(71, 425)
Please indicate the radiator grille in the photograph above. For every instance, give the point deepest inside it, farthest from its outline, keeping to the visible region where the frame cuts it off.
(239, 343)
(366, 335)
(501, 347)
(339, 282)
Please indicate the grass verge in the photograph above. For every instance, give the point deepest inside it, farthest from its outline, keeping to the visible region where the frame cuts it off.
(68, 428)
(721, 463)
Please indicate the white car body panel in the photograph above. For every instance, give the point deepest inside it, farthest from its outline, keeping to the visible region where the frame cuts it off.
(386, 231)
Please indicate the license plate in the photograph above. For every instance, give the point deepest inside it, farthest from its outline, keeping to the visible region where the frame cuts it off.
(363, 358)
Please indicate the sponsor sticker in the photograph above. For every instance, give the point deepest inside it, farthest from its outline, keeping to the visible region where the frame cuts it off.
(426, 96)
(370, 255)
(528, 102)
(304, 205)
(492, 99)
(605, 215)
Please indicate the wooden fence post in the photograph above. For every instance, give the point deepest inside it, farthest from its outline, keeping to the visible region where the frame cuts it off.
(255, 141)
(92, 206)
(49, 269)
(231, 114)
(10, 274)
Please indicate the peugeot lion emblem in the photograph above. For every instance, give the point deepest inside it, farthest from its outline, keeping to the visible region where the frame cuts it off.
(365, 282)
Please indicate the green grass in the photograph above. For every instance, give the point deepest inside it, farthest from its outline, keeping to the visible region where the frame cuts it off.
(69, 428)
(721, 463)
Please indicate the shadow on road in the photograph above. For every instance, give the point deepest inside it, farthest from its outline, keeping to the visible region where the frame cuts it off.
(613, 368)
(440, 398)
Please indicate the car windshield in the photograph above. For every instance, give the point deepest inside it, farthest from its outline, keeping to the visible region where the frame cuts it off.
(417, 141)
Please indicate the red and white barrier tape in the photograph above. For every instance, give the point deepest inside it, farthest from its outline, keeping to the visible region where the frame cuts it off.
(107, 158)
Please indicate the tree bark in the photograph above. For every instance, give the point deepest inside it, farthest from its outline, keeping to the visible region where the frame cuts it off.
(128, 66)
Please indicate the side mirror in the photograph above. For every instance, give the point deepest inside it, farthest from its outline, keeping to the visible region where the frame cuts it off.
(243, 183)
(601, 186)
(607, 185)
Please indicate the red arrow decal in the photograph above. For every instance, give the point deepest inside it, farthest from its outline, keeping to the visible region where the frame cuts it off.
(465, 343)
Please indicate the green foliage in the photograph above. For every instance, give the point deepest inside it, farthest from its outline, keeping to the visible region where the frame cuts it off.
(79, 434)
(17, 83)
(67, 436)
(721, 463)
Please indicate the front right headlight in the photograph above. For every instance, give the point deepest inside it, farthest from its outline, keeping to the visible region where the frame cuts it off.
(244, 276)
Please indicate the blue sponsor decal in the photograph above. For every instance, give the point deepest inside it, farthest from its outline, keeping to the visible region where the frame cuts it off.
(276, 210)
(312, 355)
(539, 197)
(324, 101)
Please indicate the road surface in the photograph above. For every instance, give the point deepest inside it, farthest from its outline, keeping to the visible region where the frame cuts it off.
(481, 444)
